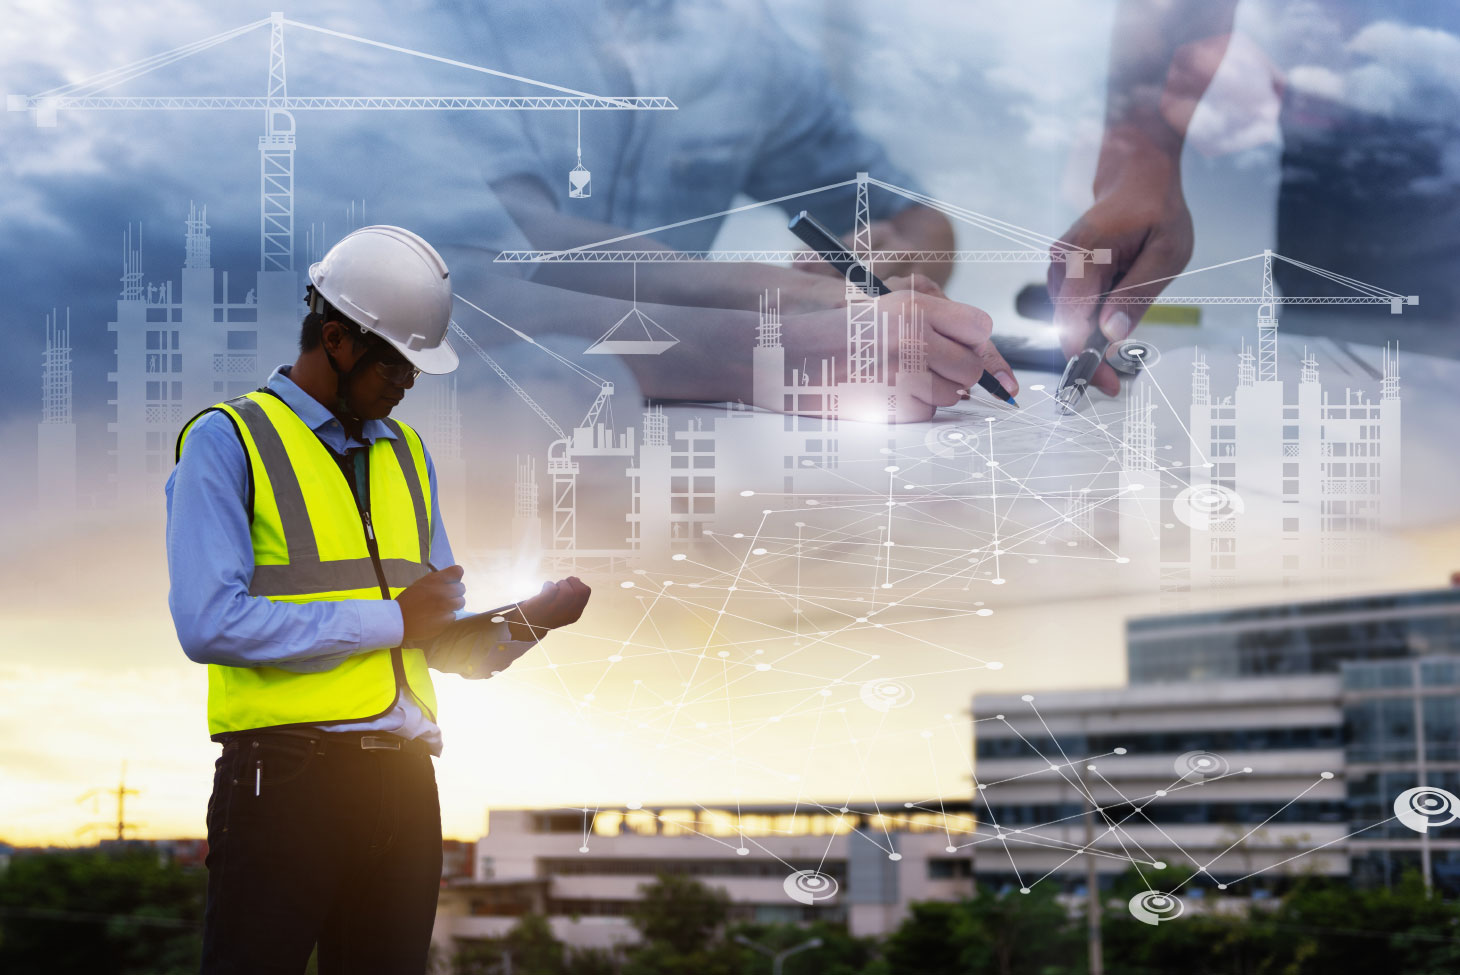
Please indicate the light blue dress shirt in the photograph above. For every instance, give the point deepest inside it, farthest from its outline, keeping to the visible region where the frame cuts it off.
(758, 113)
(210, 561)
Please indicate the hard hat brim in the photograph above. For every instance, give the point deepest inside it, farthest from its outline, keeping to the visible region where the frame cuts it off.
(393, 284)
(437, 361)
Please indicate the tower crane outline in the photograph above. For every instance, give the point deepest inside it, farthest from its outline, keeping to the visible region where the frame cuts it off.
(585, 438)
(277, 144)
(1266, 301)
(868, 389)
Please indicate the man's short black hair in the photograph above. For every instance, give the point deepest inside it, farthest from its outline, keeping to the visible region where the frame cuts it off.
(311, 331)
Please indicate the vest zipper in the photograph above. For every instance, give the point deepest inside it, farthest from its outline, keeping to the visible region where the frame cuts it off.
(397, 663)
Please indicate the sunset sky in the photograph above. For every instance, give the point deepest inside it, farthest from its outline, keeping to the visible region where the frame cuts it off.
(91, 675)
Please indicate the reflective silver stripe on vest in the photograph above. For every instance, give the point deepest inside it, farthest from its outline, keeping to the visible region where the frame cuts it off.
(342, 574)
(305, 574)
(293, 515)
(413, 484)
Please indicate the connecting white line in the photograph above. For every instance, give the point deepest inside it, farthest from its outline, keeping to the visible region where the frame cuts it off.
(853, 579)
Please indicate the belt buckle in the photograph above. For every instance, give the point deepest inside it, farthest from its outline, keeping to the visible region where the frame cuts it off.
(373, 742)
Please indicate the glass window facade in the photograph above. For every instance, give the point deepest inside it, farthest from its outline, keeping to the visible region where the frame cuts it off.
(1164, 742)
(1393, 710)
(1168, 812)
(1300, 638)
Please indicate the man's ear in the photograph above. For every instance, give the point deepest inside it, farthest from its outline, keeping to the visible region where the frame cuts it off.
(340, 333)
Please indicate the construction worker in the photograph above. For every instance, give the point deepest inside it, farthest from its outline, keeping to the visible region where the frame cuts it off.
(312, 575)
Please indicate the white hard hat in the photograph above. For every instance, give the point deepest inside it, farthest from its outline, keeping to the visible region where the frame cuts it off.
(392, 283)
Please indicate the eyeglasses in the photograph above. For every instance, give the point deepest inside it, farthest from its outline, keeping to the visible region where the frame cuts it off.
(398, 373)
(393, 368)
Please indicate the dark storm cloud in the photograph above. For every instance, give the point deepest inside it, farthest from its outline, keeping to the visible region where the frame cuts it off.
(68, 193)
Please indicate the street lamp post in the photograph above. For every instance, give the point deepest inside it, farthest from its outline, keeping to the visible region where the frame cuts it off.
(778, 958)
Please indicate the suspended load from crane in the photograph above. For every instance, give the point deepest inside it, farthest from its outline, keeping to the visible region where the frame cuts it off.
(277, 145)
(580, 185)
(634, 334)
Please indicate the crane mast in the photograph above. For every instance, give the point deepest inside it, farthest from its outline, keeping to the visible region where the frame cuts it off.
(863, 347)
(276, 163)
(277, 144)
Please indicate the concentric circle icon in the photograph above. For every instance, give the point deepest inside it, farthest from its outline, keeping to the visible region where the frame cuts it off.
(810, 886)
(1130, 356)
(1204, 505)
(884, 695)
(1201, 765)
(1425, 806)
(951, 439)
(1154, 906)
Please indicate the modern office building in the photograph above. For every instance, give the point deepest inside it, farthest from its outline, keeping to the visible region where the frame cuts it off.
(1402, 729)
(1292, 638)
(863, 863)
(1182, 773)
(1335, 707)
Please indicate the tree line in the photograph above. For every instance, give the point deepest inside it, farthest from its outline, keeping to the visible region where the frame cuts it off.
(131, 913)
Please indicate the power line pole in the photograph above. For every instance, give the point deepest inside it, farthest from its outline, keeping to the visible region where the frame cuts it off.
(121, 792)
(778, 958)
(1092, 884)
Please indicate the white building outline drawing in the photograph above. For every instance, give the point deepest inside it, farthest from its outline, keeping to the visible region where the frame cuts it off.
(1280, 476)
(171, 360)
(674, 482)
(867, 391)
(56, 433)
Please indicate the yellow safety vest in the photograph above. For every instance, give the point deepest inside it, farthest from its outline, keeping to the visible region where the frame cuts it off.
(313, 541)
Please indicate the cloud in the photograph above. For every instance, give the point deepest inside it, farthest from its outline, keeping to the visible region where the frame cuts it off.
(1314, 80)
(1387, 68)
(1425, 56)
(1240, 108)
(70, 191)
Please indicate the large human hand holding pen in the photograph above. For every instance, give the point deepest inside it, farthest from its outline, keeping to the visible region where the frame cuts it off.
(971, 358)
(957, 337)
(1141, 216)
(968, 328)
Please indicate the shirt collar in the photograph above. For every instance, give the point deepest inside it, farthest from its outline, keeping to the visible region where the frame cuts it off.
(313, 412)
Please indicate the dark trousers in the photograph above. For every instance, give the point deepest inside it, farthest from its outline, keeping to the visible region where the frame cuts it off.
(321, 842)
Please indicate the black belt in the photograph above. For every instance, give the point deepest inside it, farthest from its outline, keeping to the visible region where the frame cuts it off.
(330, 741)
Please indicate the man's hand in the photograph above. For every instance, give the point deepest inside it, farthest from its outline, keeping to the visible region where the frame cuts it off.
(1163, 54)
(1141, 215)
(429, 605)
(959, 349)
(917, 228)
(559, 604)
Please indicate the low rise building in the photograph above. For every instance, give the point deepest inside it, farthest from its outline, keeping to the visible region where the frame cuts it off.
(862, 863)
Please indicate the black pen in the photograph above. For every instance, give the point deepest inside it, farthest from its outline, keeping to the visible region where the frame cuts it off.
(834, 252)
(1080, 370)
(1075, 381)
